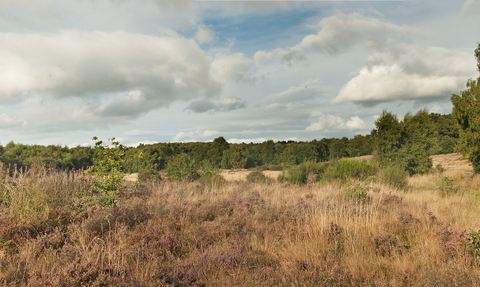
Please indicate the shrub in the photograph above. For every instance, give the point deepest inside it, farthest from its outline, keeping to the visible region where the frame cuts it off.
(395, 177)
(145, 175)
(107, 167)
(358, 193)
(384, 244)
(297, 176)
(347, 169)
(182, 167)
(256, 177)
(473, 241)
(447, 187)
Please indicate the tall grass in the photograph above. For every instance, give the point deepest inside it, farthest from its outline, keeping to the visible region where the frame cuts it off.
(183, 233)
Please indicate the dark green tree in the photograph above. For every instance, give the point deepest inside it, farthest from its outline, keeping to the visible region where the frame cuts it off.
(466, 110)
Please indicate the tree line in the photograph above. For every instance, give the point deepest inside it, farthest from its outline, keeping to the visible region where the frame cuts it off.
(222, 154)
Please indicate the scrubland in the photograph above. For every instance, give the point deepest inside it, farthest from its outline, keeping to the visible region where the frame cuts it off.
(355, 231)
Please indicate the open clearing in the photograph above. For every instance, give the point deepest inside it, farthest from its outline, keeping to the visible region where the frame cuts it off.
(450, 162)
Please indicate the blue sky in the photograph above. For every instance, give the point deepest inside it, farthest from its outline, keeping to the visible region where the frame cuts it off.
(164, 71)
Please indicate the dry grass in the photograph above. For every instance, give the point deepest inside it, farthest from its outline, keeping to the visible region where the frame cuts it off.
(243, 234)
(453, 161)
(233, 175)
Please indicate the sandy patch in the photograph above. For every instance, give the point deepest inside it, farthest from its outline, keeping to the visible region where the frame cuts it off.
(272, 173)
(453, 161)
(241, 174)
(131, 177)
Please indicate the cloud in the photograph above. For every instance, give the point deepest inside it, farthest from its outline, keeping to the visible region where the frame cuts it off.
(471, 7)
(415, 74)
(152, 70)
(343, 32)
(225, 105)
(229, 67)
(328, 123)
(262, 57)
(7, 122)
(192, 135)
(305, 91)
(205, 35)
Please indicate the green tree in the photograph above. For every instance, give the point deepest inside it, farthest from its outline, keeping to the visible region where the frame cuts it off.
(419, 142)
(387, 138)
(466, 110)
(107, 166)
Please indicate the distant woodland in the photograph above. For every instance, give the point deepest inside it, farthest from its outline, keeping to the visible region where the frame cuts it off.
(443, 129)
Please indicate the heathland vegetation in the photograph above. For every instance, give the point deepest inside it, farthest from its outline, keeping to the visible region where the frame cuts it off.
(406, 217)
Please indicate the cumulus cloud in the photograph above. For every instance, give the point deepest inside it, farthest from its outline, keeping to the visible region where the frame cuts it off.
(236, 66)
(328, 123)
(205, 34)
(416, 73)
(343, 32)
(224, 105)
(152, 70)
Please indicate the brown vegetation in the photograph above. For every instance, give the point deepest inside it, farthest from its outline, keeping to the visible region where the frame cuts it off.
(239, 234)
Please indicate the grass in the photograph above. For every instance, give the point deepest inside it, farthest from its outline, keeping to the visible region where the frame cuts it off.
(218, 233)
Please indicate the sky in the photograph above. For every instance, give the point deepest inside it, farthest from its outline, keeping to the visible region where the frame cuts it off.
(147, 71)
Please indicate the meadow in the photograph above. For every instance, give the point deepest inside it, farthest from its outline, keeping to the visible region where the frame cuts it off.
(364, 228)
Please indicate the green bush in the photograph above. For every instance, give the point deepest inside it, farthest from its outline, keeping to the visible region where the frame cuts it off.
(146, 175)
(347, 169)
(357, 193)
(107, 167)
(297, 176)
(182, 167)
(395, 177)
(473, 241)
(256, 177)
(447, 188)
(281, 177)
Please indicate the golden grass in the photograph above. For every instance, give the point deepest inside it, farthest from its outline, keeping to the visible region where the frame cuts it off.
(270, 234)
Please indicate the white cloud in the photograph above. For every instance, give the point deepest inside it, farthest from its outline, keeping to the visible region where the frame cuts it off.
(253, 140)
(205, 35)
(294, 94)
(7, 122)
(210, 134)
(471, 7)
(328, 123)
(343, 32)
(193, 135)
(417, 73)
(355, 123)
(154, 71)
(261, 57)
(231, 67)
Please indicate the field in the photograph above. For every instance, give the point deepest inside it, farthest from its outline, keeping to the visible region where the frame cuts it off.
(228, 232)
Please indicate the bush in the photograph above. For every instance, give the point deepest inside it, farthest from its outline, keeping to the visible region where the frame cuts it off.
(395, 177)
(256, 177)
(347, 169)
(182, 167)
(146, 175)
(107, 167)
(357, 193)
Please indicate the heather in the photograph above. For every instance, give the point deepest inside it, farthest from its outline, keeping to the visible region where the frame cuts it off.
(57, 229)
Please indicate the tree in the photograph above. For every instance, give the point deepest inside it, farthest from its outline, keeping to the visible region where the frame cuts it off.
(466, 110)
(387, 138)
